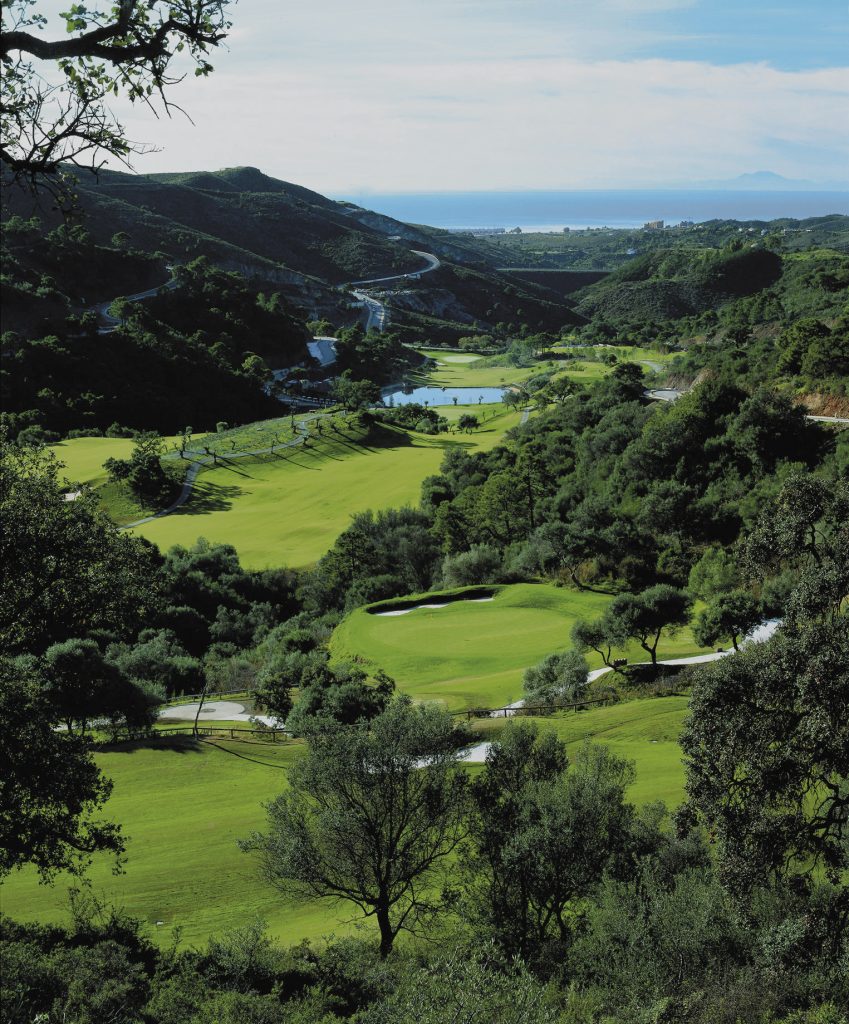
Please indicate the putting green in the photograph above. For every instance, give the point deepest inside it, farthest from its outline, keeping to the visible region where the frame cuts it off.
(458, 372)
(442, 356)
(469, 654)
(473, 654)
(288, 508)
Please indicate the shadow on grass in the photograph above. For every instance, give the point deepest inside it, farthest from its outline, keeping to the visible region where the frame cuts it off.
(210, 497)
(185, 744)
(244, 757)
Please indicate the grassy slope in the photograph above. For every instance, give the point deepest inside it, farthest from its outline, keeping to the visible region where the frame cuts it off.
(461, 370)
(644, 731)
(183, 809)
(456, 371)
(474, 654)
(84, 456)
(287, 509)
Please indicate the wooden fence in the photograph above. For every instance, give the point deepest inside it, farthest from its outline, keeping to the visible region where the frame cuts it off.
(269, 735)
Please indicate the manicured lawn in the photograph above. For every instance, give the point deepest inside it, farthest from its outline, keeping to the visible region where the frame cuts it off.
(84, 456)
(457, 371)
(468, 654)
(643, 731)
(183, 809)
(450, 357)
(288, 508)
(473, 654)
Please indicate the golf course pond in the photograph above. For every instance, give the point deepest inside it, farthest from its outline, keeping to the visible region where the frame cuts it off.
(442, 396)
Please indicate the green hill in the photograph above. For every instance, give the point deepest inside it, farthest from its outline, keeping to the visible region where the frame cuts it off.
(673, 283)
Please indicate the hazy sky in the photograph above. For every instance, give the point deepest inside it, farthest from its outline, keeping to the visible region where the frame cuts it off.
(428, 95)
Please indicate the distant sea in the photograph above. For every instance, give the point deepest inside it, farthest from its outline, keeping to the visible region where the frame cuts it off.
(552, 211)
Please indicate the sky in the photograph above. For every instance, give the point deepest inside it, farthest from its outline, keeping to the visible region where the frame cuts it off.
(465, 95)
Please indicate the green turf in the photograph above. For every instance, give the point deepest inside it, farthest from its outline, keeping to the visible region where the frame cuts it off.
(183, 809)
(456, 371)
(469, 654)
(288, 508)
(644, 731)
(473, 654)
(84, 456)
(441, 356)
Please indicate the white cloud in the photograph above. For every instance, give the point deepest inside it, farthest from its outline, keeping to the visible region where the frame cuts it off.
(490, 124)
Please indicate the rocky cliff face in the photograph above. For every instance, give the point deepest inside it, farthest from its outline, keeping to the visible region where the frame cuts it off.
(819, 404)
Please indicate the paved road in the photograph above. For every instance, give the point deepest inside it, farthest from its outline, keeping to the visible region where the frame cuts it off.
(432, 261)
(102, 308)
(477, 754)
(216, 711)
(378, 315)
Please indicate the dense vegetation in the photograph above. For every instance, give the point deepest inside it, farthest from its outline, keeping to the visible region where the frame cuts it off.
(534, 887)
(61, 372)
(763, 316)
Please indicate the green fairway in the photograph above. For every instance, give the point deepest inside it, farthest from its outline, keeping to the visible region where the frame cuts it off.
(183, 808)
(289, 507)
(469, 654)
(460, 371)
(643, 731)
(473, 654)
(84, 456)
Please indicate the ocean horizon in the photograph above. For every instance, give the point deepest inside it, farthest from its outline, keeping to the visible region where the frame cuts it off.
(612, 208)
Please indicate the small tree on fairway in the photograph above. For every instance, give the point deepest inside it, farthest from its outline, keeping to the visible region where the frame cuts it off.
(468, 422)
(644, 616)
(601, 636)
(370, 816)
(727, 615)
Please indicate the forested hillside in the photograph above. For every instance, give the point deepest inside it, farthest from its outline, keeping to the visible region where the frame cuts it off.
(760, 315)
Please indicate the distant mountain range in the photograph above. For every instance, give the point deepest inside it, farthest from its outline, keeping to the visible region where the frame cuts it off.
(769, 181)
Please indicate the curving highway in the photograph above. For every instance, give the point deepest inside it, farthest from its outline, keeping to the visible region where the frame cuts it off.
(111, 322)
(378, 315)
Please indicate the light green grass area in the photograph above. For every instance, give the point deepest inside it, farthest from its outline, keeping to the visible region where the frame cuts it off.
(473, 654)
(288, 508)
(183, 808)
(251, 437)
(584, 370)
(463, 370)
(468, 654)
(643, 731)
(459, 372)
(441, 356)
(84, 456)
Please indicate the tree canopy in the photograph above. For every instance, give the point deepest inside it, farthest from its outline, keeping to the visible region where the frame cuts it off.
(370, 817)
(56, 90)
(72, 571)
